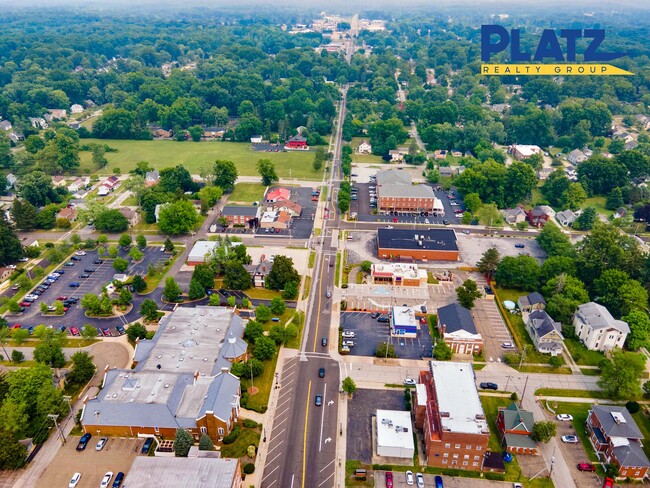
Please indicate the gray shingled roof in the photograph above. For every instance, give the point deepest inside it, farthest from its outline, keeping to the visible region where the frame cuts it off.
(631, 455)
(393, 177)
(221, 396)
(543, 324)
(598, 317)
(405, 191)
(611, 427)
(456, 317)
(245, 210)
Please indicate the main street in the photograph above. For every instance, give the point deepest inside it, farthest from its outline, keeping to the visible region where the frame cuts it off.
(303, 436)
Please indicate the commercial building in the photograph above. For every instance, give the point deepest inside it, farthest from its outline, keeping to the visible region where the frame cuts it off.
(456, 327)
(597, 329)
(524, 151)
(397, 193)
(417, 245)
(277, 195)
(395, 434)
(403, 322)
(241, 214)
(201, 249)
(180, 379)
(275, 220)
(190, 472)
(455, 430)
(398, 274)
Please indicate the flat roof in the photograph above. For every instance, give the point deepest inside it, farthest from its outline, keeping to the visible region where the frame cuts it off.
(394, 429)
(432, 239)
(404, 316)
(458, 402)
(173, 472)
(201, 248)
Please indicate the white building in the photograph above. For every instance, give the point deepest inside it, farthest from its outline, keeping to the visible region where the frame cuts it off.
(76, 109)
(102, 191)
(395, 434)
(524, 151)
(364, 148)
(201, 249)
(597, 329)
(404, 323)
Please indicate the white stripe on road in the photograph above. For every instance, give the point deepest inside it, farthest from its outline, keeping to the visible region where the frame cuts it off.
(270, 473)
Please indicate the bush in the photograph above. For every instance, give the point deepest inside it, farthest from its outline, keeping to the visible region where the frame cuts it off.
(513, 397)
(250, 424)
(232, 437)
(19, 357)
(249, 468)
(632, 406)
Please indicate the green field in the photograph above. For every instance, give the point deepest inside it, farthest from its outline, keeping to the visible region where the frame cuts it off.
(247, 193)
(363, 158)
(196, 155)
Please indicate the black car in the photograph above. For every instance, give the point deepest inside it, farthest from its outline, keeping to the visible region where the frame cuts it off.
(60, 271)
(321, 373)
(318, 401)
(89, 270)
(488, 386)
(383, 318)
(98, 261)
(118, 480)
(75, 258)
(73, 299)
(121, 329)
(146, 446)
(83, 442)
(84, 275)
(374, 315)
(323, 342)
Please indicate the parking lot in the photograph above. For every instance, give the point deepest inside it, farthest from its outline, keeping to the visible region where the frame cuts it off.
(493, 330)
(399, 481)
(473, 246)
(369, 333)
(118, 455)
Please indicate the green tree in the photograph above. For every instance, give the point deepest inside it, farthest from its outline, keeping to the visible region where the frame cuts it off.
(266, 169)
(149, 310)
(489, 262)
(290, 291)
(619, 293)
(468, 293)
(141, 241)
(253, 330)
(120, 265)
(13, 454)
(111, 221)
(125, 297)
(236, 277)
(177, 218)
(621, 375)
(614, 199)
(136, 254)
(557, 265)
(88, 333)
(225, 174)
(472, 202)
(281, 273)
(24, 214)
(196, 290)
(125, 240)
(521, 272)
(442, 351)
(574, 196)
(50, 352)
(544, 431)
(83, 369)
(19, 335)
(136, 331)
(278, 306)
(204, 275)
(196, 132)
(168, 245)
(17, 357)
(554, 242)
(205, 443)
(138, 284)
(172, 291)
(366, 266)
(639, 324)
(262, 313)
(489, 216)
(348, 385)
(183, 441)
(264, 348)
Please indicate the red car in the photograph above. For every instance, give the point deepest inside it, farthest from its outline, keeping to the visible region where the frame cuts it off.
(25, 304)
(395, 220)
(74, 331)
(423, 320)
(62, 298)
(389, 479)
(609, 483)
(586, 467)
(106, 332)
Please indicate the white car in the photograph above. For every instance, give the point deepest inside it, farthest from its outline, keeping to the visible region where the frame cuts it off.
(388, 227)
(348, 334)
(564, 416)
(100, 445)
(74, 480)
(507, 345)
(570, 439)
(409, 477)
(409, 382)
(106, 480)
(80, 253)
(426, 221)
(420, 480)
(348, 343)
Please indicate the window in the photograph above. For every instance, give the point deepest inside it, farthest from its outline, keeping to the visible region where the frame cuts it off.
(465, 463)
(220, 430)
(445, 454)
(156, 430)
(204, 430)
(447, 445)
(474, 464)
(457, 446)
(455, 456)
(444, 461)
(611, 336)
(478, 448)
(637, 473)
(466, 456)
(454, 463)
(477, 458)
(468, 446)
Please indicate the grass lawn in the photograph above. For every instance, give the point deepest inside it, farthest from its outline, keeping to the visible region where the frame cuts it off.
(570, 393)
(298, 320)
(247, 193)
(238, 448)
(312, 259)
(263, 293)
(599, 204)
(363, 158)
(581, 355)
(338, 269)
(154, 279)
(643, 421)
(306, 287)
(195, 155)
(263, 383)
(131, 201)
(579, 412)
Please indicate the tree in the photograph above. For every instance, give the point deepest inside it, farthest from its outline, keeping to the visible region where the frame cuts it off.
(209, 196)
(24, 214)
(442, 351)
(19, 335)
(112, 221)
(204, 275)
(11, 248)
(472, 202)
(264, 348)
(467, 293)
(196, 132)
(564, 294)
(262, 313)
(125, 297)
(120, 265)
(83, 369)
(196, 290)
(281, 273)
(172, 291)
(544, 431)
(489, 215)
(236, 277)
(136, 331)
(253, 330)
(619, 293)
(135, 254)
(225, 174)
(366, 266)
(266, 169)
(88, 333)
(521, 272)
(183, 441)
(36, 188)
(149, 310)
(49, 352)
(348, 385)
(168, 245)
(205, 443)
(639, 324)
(141, 241)
(138, 284)
(290, 291)
(278, 306)
(554, 242)
(489, 262)
(177, 218)
(621, 375)
(13, 454)
(17, 356)
(125, 240)
(557, 265)
(174, 178)
(614, 199)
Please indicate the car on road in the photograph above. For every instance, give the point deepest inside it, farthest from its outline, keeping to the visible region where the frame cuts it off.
(374, 315)
(318, 401)
(323, 342)
(507, 345)
(74, 480)
(570, 439)
(465, 231)
(389, 479)
(117, 482)
(321, 373)
(84, 275)
(100, 445)
(106, 480)
(564, 416)
(328, 294)
(438, 481)
(519, 245)
(409, 382)
(419, 480)
(348, 334)
(83, 442)
(488, 386)
(74, 284)
(409, 477)
(586, 467)
(608, 483)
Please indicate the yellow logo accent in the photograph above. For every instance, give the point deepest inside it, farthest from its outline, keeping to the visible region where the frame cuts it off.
(553, 70)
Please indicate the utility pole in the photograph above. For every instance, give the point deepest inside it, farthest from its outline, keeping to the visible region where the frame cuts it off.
(521, 400)
(67, 398)
(54, 416)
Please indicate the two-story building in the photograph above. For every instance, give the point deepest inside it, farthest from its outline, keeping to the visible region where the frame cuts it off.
(398, 274)
(456, 327)
(515, 426)
(597, 329)
(617, 440)
(241, 214)
(530, 302)
(396, 193)
(545, 332)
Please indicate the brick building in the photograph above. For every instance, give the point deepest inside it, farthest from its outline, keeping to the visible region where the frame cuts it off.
(398, 274)
(515, 426)
(456, 327)
(296, 142)
(397, 193)
(417, 245)
(448, 409)
(241, 214)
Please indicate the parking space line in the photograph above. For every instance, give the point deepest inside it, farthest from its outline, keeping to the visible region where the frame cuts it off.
(332, 462)
(274, 470)
(277, 435)
(326, 479)
(279, 454)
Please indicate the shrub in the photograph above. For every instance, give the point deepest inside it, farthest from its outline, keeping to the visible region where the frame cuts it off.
(19, 357)
(250, 424)
(249, 468)
(232, 437)
(513, 397)
(632, 406)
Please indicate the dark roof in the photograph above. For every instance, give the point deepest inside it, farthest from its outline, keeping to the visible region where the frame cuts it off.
(493, 461)
(624, 427)
(631, 455)
(535, 298)
(515, 418)
(432, 239)
(456, 317)
(246, 210)
(543, 323)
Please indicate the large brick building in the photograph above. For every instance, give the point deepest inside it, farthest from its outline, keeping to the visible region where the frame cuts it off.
(241, 214)
(417, 245)
(448, 409)
(397, 193)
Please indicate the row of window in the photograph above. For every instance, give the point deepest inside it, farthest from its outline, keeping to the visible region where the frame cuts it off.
(467, 446)
(465, 463)
(455, 456)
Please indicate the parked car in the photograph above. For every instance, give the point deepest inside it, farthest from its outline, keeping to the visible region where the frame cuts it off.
(69, 263)
(106, 332)
(348, 343)
(62, 328)
(507, 345)
(608, 483)
(120, 329)
(84, 275)
(586, 467)
(318, 401)
(438, 482)
(83, 442)
(323, 342)
(106, 480)
(321, 373)
(570, 439)
(117, 482)
(60, 271)
(389, 479)
(146, 446)
(25, 304)
(374, 315)
(383, 318)
(488, 386)
(74, 284)
(409, 477)
(100, 445)
(519, 245)
(74, 480)
(564, 416)
(445, 222)
(409, 382)
(80, 253)
(99, 261)
(89, 270)
(74, 331)
(62, 298)
(419, 480)
(75, 258)
(348, 334)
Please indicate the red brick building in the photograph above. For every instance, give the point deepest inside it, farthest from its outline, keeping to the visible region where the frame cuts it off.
(396, 193)
(448, 410)
(240, 214)
(515, 426)
(417, 245)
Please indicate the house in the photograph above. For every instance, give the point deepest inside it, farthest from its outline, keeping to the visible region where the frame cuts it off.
(577, 156)
(131, 215)
(617, 440)
(38, 123)
(544, 173)
(620, 213)
(500, 107)
(259, 272)
(571, 173)
(76, 109)
(74, 125)
(597, 329)
(364, 148)
(5, 273)
(417, 244)
(5, 125)
(173, 472)
(566, 217)
(515, 426)
(530, 302)
(56, 114)
(524, 151)
(538, 216)
(291, 207)
(449, 411)
(151, 178)
(68, 213)
(456, 327)
(277, 195)
(440, 154)
(16, 137)
(162, 134)
(275, 220)
(256, 139)
(629, 145)
(111, 182)
(514, 215)
(296, 142)
(11, 180)
(398, 274)
(102, 191)
(241, 214)
(181, 379)
(545, 332)
(58, 180)
(395, 155)
(78, 184)
(213, 132)
(394, 434)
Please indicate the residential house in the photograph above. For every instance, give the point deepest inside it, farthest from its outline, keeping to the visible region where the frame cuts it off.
(395, 156)
(644, 121)
(620, 213)
(78, 184)
(5, 273)
(629, 145)
(213, 132)
(545, 332)
(103, 190)
(58, 180)
(296, 142)
(515, 426)
(68, 213)
(259, 272)
(38, 123)
(275, 220)
(617, 440)
(241, 214)
(524, 151)
(112, 182)
(151, 178)
(131, 215)
(571, 173)
(449, 411)
(597, 329)
(364, 148)
(456, 327)
(76, 109)
(257, 139)
(289, 206)
(11, 181)
(162, 133)
(577, 156)
(566, 217)
(16, 137)
(277, 195)
(56, 114)
(500, 107)
(440, 154)
(514, 215)
(538, 216)
(74, 125)
(5, 125)
(530, 302)
(544, 173)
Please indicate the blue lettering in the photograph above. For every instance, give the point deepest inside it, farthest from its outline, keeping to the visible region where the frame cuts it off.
(515, 48)
(570, 35)
(548, 47)
(487, 48)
